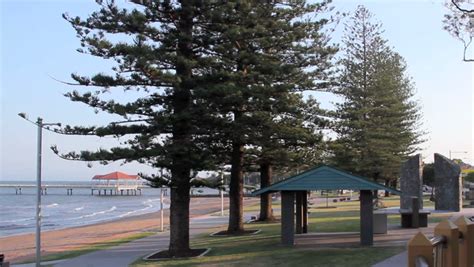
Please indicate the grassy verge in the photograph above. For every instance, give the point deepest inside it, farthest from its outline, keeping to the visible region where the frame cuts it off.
(98, 246)
(265, 250)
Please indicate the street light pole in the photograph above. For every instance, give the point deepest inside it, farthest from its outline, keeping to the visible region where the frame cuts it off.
(39, 122)
(40, 125)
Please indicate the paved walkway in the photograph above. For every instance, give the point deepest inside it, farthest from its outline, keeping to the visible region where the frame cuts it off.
(125, 254)
(399, 260)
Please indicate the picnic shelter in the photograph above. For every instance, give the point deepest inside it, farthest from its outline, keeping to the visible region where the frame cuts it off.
(294, 202)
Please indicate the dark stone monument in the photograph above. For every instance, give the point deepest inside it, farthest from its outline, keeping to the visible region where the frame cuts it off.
(448, 183)
(411, 182)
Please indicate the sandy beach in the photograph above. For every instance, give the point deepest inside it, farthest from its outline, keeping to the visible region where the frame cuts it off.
(21, 248)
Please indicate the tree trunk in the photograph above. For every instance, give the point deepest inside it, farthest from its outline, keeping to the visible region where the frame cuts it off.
(179, 219)
(266, 212)
(181, 168)
(236, 191)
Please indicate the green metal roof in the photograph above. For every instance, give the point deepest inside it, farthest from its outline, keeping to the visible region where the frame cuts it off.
(324, 178)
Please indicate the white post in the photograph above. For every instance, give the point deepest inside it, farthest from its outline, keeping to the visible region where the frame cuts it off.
(161, 209)
(222, 194)
(38, 195)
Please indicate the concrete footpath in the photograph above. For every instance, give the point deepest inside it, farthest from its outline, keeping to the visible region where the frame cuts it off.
(125, 254)
(399, 260)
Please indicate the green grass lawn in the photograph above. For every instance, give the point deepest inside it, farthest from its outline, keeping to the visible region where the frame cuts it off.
(265, 250)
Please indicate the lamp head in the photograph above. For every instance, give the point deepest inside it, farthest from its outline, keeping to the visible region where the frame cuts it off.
(23, 115)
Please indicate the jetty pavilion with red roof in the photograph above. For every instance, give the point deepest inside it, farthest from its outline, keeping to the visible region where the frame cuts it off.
(115, 183)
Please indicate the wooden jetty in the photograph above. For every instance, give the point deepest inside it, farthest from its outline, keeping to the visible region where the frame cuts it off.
(115, 183)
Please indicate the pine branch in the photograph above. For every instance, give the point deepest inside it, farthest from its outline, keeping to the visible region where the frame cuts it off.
(455, 3)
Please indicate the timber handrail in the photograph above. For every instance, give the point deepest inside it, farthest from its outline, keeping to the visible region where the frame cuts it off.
(451, 246)
(438, 240)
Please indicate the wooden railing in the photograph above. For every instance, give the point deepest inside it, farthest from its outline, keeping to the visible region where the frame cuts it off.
(451, 246)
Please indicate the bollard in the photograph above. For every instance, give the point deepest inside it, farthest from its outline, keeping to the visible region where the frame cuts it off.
(466, 247)
(420, 246)
(451, 252)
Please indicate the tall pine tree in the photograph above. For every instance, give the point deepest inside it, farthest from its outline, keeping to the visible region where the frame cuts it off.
(267, 52)
(378, 123)
(159, 50)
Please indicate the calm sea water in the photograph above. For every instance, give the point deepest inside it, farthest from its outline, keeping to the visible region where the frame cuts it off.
(17, 212)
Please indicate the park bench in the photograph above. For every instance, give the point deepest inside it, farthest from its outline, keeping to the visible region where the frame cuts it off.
(408, 219)
(414, 217)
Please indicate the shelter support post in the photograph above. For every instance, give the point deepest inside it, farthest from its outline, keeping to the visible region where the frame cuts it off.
(299, 212)
(287, 218)
(366, 218)
(305, 211)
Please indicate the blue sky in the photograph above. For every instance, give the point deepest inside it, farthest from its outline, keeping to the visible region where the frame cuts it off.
(37, 44)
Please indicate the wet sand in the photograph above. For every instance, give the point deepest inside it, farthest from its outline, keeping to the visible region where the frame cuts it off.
(20, 248)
